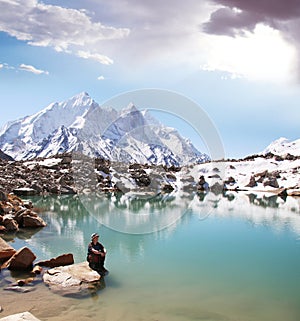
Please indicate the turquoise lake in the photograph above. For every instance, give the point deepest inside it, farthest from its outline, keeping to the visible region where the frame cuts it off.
(213, 257)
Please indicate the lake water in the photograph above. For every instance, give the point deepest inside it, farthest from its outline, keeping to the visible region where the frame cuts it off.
(207, 257)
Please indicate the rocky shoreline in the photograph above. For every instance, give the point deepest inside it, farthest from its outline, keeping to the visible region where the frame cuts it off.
(77, 174)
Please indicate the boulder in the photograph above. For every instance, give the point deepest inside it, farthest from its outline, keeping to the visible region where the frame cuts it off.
(6, 251)
(25, 191)
(72, 279)
(3, 196)
(32, 221)
(252, 182)
(272, 181)
(9, 223)
(21, 260)
(24, 316)
(61, 260)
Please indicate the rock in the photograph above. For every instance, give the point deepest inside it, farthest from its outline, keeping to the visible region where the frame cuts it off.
(167, 188)
(67, 190)
(230, 181)
(217, 188)
(252, 182)
(9, 223)
(271, 181)
(66, 160)
(24, 316)
(22, 282)
(6, 251)
(21, 260)
(283, 193)
(3, 196)
(32, 221)
(61, 260)
(25, 191)
(72, 279)
(294, 193)
(21, 289)
(37, 269)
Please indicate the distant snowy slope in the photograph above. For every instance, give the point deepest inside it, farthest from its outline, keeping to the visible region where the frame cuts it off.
(80, 124)
(283, 146)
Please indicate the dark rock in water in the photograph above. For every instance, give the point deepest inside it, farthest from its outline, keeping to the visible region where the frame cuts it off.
(283, 193)
(61, 260)
(217, 188)
(25, 191)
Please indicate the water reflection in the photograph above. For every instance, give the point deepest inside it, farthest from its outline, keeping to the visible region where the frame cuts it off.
(72, 219)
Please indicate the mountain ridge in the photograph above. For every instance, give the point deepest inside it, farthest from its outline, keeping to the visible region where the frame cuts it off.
(80, 123)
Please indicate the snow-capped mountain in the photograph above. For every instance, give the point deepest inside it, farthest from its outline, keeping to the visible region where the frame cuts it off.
(80, 124)
(283, 146)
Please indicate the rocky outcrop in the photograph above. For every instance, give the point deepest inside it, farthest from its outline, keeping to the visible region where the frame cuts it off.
(21, 260)
(61, 260)
(73, 279)
(6, 251)
(15, 214)
(24, 316)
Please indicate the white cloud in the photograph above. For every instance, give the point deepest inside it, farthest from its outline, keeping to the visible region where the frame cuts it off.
(1, 66)
(32, 69)
(97, 57)
(101, 78)
(260, 56)
(61, 28)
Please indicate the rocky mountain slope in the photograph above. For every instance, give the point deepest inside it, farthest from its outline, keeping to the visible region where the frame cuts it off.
(79, 174)
(5, 156)
(80, 124)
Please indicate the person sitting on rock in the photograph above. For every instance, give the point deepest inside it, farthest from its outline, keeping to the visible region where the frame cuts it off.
(96, 255)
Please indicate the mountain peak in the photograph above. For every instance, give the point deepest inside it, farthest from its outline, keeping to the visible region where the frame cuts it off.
(130, 108)
(81, 124)
(82, 99)
(282, 146)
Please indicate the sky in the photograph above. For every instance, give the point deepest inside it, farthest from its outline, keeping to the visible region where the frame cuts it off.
(239, 60)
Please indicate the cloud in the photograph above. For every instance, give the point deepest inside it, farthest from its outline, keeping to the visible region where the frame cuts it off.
(32, 69)
(53, 26)
(237, 17)
(97, 57)
(101, 77)
(1, 66)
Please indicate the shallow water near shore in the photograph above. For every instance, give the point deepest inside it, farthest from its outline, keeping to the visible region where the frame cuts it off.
(232, 257)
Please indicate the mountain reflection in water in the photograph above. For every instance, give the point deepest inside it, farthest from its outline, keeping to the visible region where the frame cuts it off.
(74, 218)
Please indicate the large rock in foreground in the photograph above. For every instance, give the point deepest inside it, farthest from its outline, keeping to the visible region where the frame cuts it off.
(6, 251)
(24, 316)
(76, 279)
(21, 260)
